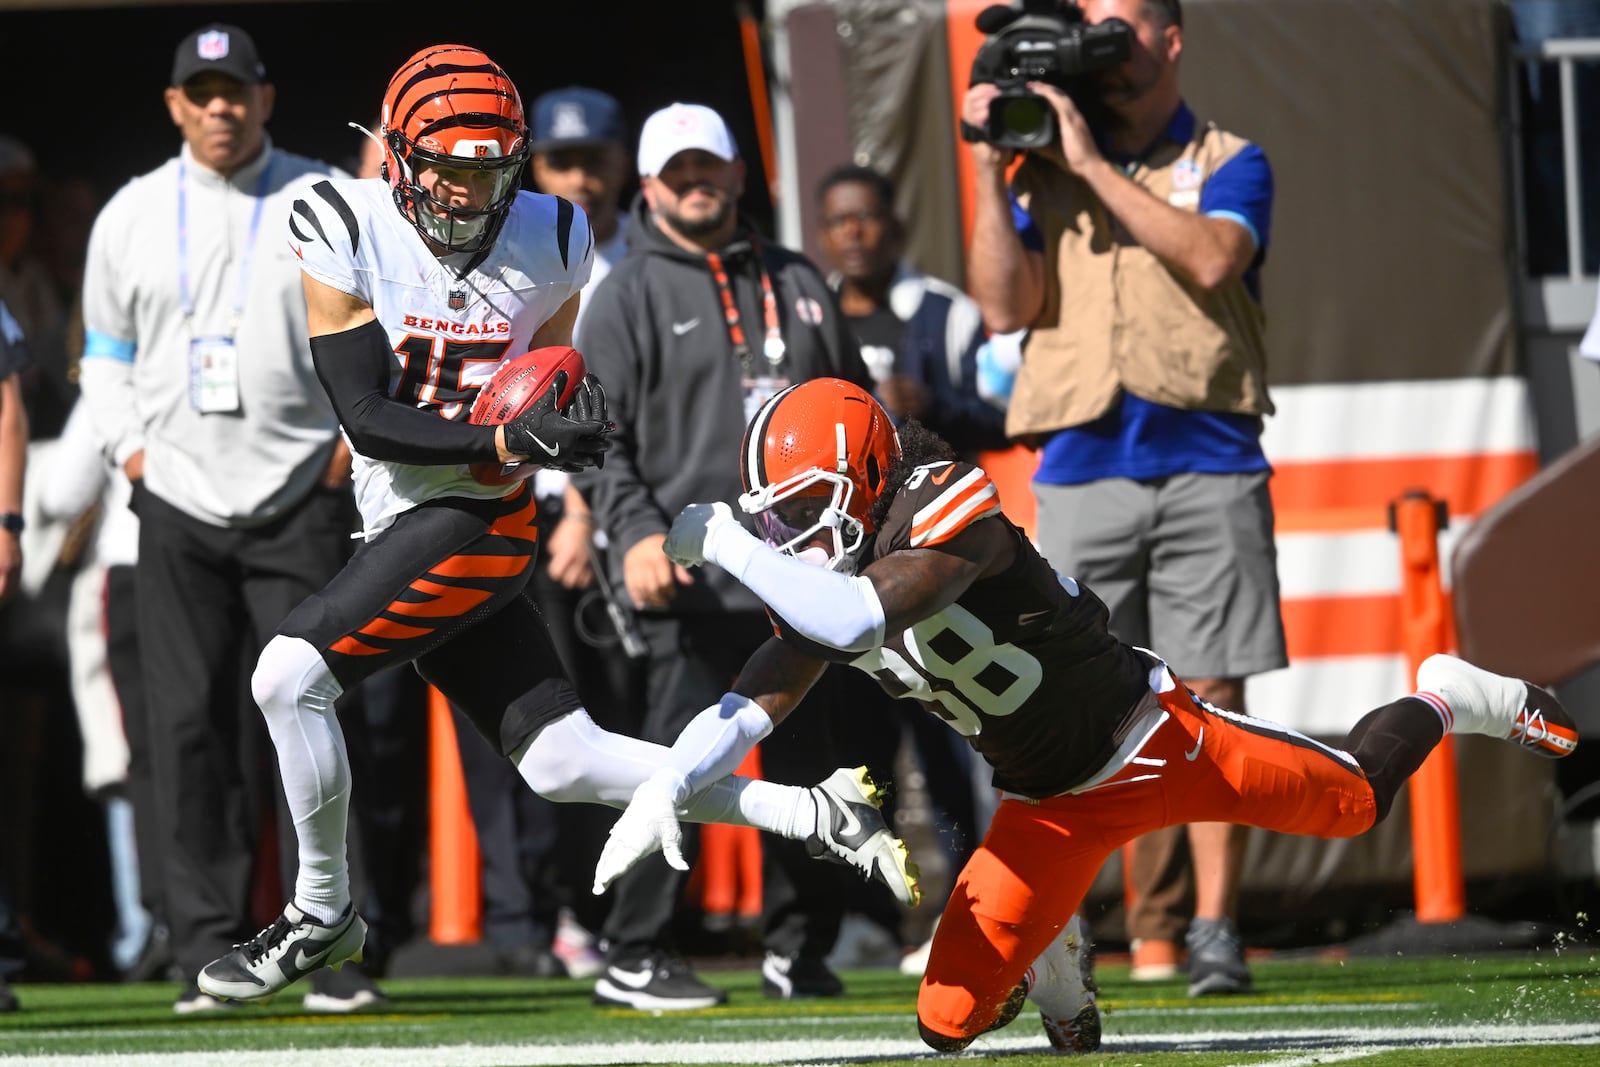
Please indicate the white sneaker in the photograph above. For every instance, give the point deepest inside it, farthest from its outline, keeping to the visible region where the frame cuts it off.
(1477, 701)
(850, 828)
(285, 952)
(1061, 985)
(576, 947)
(915, 962)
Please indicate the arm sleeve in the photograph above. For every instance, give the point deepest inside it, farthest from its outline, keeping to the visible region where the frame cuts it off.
(715, 742)
(110, 339)
(77, 473)
(105, 377)
(832, 609)
(354, 369)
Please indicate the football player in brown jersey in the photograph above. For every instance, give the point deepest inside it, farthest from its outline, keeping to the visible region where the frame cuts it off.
(922, 581)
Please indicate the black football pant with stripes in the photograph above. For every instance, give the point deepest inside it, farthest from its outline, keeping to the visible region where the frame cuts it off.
(444, 588)
(208, 599)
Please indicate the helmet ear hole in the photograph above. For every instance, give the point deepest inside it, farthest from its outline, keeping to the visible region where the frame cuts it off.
(874, 475)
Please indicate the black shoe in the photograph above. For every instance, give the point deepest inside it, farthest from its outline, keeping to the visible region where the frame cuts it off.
(294, 946)
(155, 962)
(1216, 959)
(794, 977)
(345, 990)
(8, 999)
(661, 983)
(194, 1001)
(530, 961)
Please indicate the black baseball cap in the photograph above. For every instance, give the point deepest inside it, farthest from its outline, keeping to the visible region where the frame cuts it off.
(573, 116)
(221, 48)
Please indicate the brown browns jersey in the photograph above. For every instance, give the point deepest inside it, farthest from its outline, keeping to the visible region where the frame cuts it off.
(1022, 663)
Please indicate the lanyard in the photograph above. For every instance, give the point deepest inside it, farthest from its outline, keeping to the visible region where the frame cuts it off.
(772, 347)
(185, 299)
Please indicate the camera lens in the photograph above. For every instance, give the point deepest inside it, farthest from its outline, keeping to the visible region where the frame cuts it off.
(1024, 118)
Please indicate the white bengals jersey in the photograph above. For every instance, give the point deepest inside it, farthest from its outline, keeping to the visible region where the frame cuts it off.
(447, 333)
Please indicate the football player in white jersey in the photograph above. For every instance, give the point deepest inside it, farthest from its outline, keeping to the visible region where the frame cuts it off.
(417, 284)
(925, 585)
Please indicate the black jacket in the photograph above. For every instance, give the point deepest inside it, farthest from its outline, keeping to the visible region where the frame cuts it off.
(656, 335)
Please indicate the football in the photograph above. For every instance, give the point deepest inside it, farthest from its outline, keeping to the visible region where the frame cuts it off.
(517, 383)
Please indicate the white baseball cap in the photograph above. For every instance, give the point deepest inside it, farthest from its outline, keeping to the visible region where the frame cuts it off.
(678, 128)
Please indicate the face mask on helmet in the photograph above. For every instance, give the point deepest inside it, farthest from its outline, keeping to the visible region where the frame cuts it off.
(454, 130)
(793, 523)
(815, 458)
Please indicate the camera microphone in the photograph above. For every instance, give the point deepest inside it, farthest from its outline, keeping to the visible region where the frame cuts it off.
(996, 17)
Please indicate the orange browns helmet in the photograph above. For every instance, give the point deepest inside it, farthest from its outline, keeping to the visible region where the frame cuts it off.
(814, 459)
(451, 107)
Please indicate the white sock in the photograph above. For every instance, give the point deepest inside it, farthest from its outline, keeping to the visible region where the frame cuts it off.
(1440, 708)
(296, 693)
(786, 810)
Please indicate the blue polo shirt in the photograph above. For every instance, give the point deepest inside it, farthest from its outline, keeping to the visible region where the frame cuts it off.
(1137, 438)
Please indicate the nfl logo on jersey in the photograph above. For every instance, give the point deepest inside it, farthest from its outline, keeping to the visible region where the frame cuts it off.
(458, 299)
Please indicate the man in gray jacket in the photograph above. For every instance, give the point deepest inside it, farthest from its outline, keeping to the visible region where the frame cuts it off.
(701, 323)
(196, 369)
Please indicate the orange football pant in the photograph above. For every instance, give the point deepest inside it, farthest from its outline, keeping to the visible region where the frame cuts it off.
(1040, 857)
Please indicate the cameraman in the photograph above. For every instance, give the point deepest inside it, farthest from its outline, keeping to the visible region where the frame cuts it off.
(1131, 251)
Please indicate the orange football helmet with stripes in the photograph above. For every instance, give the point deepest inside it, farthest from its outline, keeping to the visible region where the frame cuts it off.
(451, 109)
(814, 461)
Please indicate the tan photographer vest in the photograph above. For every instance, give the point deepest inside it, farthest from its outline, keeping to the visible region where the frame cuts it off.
(1115, 317)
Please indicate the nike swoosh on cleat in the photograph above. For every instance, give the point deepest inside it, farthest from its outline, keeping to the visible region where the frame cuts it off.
(631, 979)
(304, 963)
(1195, 754)
(846, 824)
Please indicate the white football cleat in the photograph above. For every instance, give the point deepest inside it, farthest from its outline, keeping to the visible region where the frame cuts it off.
(850, 828)
(1482, 702)
(282, 954)
(1061, 985)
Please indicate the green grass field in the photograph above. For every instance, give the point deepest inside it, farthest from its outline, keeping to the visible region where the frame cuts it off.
(1506, 1010)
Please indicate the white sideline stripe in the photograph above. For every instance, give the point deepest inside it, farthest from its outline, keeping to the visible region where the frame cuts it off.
(1345, 1043)
(1354, 563)
(1389, 419)
(1324, 696)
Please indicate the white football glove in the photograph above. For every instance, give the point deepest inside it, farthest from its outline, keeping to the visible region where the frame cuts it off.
(694, 526)
(648, 823)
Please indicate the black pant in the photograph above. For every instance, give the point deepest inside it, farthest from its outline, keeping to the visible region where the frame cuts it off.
(208, 600)
(122, 659)
(693, 661)
(385, 723)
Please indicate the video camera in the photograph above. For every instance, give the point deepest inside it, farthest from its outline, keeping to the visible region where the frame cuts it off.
(1040, 40)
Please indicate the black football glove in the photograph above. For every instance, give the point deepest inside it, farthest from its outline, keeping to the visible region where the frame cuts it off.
(588, 402)
(552, 439)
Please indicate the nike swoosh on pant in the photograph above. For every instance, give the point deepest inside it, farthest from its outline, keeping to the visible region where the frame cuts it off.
(1198, 741)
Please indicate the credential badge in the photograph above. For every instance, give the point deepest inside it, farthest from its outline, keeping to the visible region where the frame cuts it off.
(1186, 174)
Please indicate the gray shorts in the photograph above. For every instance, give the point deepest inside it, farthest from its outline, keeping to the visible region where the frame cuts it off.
(1186, 564)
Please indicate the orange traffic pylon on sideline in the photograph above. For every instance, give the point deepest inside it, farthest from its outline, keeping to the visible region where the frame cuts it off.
(454, 874)
(1426, 627)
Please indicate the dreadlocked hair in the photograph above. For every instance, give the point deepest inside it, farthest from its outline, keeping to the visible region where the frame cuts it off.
(918, 445)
